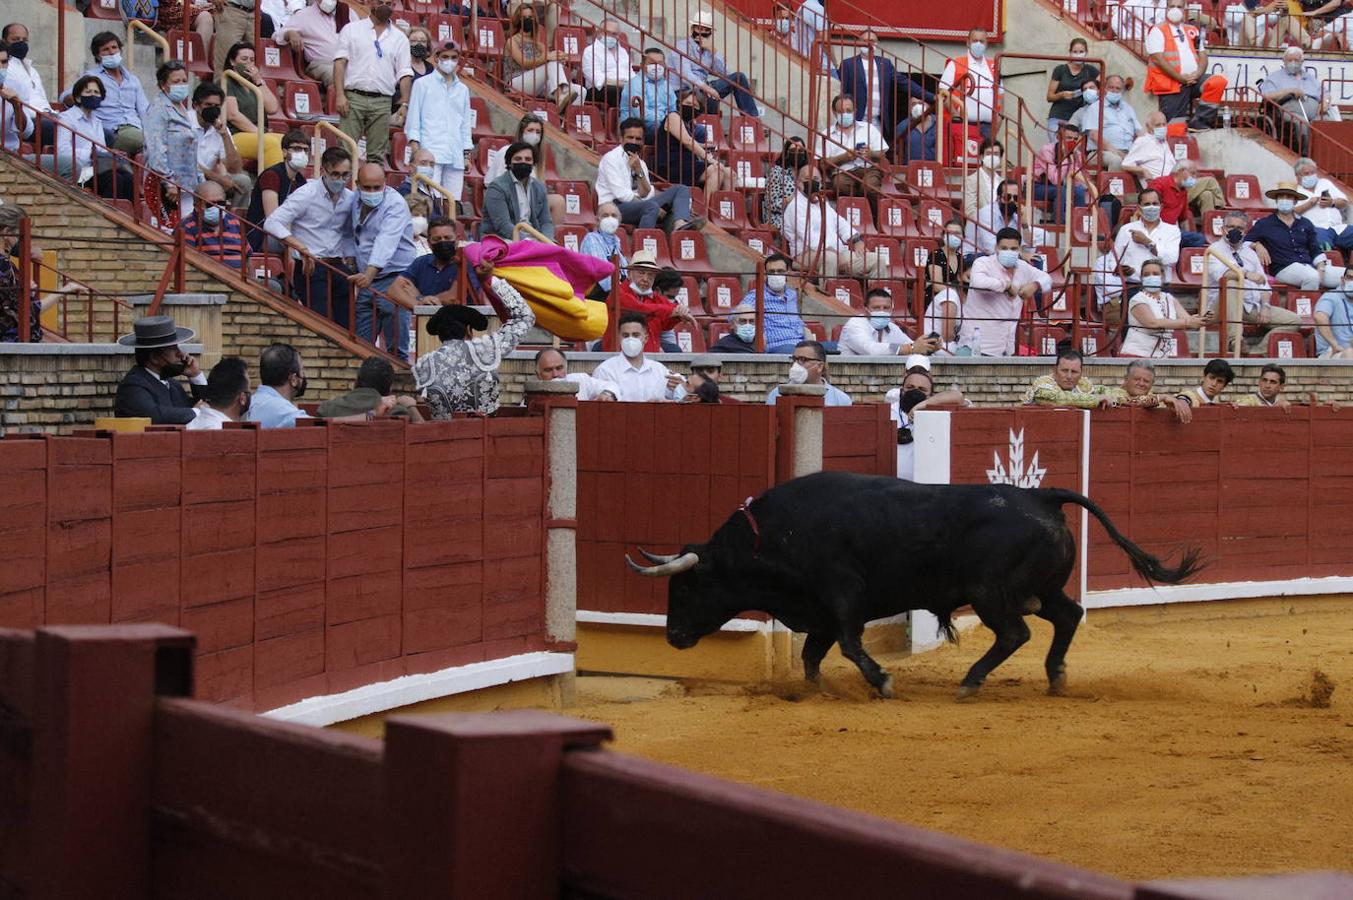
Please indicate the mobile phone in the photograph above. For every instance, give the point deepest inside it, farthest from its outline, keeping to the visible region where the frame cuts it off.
(934, 335)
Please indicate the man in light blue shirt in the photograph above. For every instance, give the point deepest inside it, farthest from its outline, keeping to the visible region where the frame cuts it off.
(651, 90)
(808, 365)
(283, 381)
(784, 324)
(439, 120)
(384, 231)
(1121, 125)
(124, 107)
(603, 242)
(706, 70)
(1333, 316)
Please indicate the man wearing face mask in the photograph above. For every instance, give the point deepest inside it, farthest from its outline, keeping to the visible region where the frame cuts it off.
(854, 150)
(275, 185)
(808, 365)
(150, 389)
(623, 179)
(784, 324)
(998, 288)
(433, 277)
(1333, 316)
(1177, 63)
(372, 65)
(314, 223)
(1006, 212)
(217, 156)
(649, 95)
(1286, 243)
(703, 68)
(1180, 193)
(1248, 301)
(980, 188)
(552, 364)
(882, 95)
(1150, 156)
(915, 137)
(312, 34)
(227, 395)
(742, 339)
(1119, 123)
(439, 120)
(283, 382)
(821, 239)
(384, 231)
(606, 66)
(603, 243)
(969, 82)
(517, 196)
(24, 79)
(1324, 207)
(637, 378)
(1147, 236)
(1298, 91)
(917, 393)
(876, 334)
(125, 107)
(422, 162)
(640, 295)
(213, 229)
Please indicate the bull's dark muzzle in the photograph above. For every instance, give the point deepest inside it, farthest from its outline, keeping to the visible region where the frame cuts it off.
(682, 640)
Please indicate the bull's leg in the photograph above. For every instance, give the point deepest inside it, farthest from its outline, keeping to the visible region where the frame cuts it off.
(852, 648)
(1065, 616)
(815, 646)
(1011, 633)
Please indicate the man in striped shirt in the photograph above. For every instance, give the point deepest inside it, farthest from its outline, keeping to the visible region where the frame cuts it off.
(213, 229)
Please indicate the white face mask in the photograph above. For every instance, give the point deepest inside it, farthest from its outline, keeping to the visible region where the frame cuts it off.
(531, 137)
(992, 161)
(447, 66)
(845, 119)
(797, 374)
(608, 225)
(632, 347)
(299, 159)
(978, 49)
(654, 71)
(917, 110)
(776, 283)
(425, 171)
(1174, 15)
(420, 224)
(328, 6)
(610, 42)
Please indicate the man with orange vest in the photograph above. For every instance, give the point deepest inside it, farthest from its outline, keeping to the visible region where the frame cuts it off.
(970, 82)
(1176, 67)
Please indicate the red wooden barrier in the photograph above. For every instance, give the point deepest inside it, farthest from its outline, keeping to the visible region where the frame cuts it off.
(309, 561)
(859, 438)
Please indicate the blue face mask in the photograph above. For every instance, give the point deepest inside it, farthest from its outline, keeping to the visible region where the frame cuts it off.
(1007, 258)
(746, 332)
(1113, 98)
(1190, 182)
(112, 61)
(212, 215)
(1159, 132)
(3, 73)
(1091, 97)
(880, 320)
(1151, 213)
(1151, 282)
(373, 198)
(1286, 205)
(334, 185)
(178, 92)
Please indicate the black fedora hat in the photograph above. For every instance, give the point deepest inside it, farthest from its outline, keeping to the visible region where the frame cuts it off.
(156, 331)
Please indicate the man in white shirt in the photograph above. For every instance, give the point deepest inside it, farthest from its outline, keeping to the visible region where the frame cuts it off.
(876, 334)
(1176, 64)
(854, 149)
(439, 120)
(813, 230)
(315, 222)
(998, 288)
(312, 34)
(371, 64)
(217, 156)
(1324, 207)
(24, 78)
(970, 83)
(1147, 236)
(623, 179)
(227, 397)
(1250, 303)
(1150, 155)
(552, 364)
(606, 66)
(638, 378)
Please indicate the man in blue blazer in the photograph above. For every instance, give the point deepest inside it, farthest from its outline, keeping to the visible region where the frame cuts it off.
(504, 196)
(150, 390)
(893, 87)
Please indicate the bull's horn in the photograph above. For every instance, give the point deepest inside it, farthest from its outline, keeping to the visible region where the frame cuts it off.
(681, 564)
(657, 557)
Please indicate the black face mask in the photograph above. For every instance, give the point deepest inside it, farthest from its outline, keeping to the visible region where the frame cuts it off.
(418, 51)
(18, 50)
(299, 391)
(522, 171)
(796, 159)
(708, 391)
(528, 25)
(444, 250)
(90, 102)
(1008, 209)
(688, 113)
(634, 149)
(209, 114)
(173, 370)
(244, 407)
(812, 187)
(909, 399)
(1235, 235)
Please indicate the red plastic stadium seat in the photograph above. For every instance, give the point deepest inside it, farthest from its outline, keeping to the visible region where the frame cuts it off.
(570, 39)
(446, 28)
(896, 218)
(688, 251)
(845, 290)
(1044, 339)
(760, 241)
(747, 135)
(482, 150)
(714, 125)
(722, 293)
(570, 236)
(817, 329)
(925, 178)
(104, 9)
(690, 338)
(481, 125)
(654, 239)
(717, 329)
(188, 47)
(745, 166)
(856, 211)
(1081, 224)
(1192, 263)
(301, 100)
(275, 62)
(890, 255)
(930, 218)
(577, 196)
(1184, 148)
(1119, 184)
(488, 39)
(262, 267)
(915, 256)
(399, 151)
(586, 120)
(1094, 339)
(689, 294)
(728, 210)
(1243, 192)
(1286, 345)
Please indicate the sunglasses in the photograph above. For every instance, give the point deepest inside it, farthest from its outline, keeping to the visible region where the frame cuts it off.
(702, 34)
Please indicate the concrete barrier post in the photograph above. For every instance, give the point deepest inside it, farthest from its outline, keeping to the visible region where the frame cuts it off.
(799, 450)
(557, 401)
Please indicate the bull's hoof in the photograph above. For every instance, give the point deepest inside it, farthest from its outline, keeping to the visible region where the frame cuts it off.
(1057, 686)
(886, 689)
(967, 691)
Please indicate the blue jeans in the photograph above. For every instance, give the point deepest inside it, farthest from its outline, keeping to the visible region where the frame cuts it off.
(1046, 191)
(1341, 240)
(1191, 239)
(391, 322)
(741, 89)
(325, 291)
(644, 213)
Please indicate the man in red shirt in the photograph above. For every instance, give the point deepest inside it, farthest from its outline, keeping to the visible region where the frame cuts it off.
(637, 295)
(1181, 188)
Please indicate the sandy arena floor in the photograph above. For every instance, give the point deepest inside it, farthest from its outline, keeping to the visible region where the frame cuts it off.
(1197, 740)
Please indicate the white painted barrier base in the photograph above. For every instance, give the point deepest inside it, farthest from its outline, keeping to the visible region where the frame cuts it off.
(1233, 590)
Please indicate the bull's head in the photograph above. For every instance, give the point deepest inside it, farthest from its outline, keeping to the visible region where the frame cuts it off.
(693, 595)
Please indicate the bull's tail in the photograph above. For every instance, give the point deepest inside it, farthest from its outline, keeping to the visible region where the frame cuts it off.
(947, 629)
(1148, 566)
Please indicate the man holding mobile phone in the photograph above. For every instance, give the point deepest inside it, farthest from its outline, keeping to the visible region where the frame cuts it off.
(854, 150)
(150, 389)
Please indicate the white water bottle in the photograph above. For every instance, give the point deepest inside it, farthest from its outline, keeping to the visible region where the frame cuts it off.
(975, 342)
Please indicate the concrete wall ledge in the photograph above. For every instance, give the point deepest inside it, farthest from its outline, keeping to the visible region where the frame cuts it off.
(180, 299)
(77, 349)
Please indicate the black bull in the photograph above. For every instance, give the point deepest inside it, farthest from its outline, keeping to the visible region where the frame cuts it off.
(826, 553)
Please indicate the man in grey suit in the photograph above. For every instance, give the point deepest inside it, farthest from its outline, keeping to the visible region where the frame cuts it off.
(516, 196)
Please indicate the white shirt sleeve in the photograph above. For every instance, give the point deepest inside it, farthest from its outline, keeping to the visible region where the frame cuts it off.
(613, 179)
(947, 79)
(1168, 245)
(856, 337)
(1155, 41)
(279, 223)
(345, 42)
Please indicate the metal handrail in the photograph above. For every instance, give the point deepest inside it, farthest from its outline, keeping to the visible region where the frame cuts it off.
(134, 25)
(261, 112)
(321, 125)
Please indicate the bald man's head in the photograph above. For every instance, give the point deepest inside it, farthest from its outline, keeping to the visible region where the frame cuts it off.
(371, 177)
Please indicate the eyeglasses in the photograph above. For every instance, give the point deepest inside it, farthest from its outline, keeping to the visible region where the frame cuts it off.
(702, 34)
(805, 360)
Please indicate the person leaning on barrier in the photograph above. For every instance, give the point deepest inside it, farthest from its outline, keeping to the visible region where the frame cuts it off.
(1333, 316)
(150, 389)
(808, 365)
(227, 395)
(876, 334)
(1138, 381)
(998, 288)
(1065, 386)
(1269, 389)
(1217, 374)
(372, 392)
(552, 364)
(742, 339)
(916, 393)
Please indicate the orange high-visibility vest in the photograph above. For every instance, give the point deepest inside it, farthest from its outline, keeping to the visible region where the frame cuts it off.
(1157, 82)
(958, 91)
